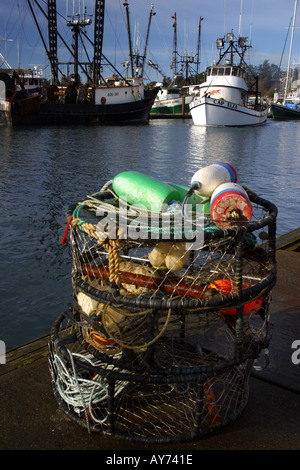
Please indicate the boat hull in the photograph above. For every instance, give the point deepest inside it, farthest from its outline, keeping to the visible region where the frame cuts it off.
(19, 112)
(281, 112)
(172, 106)
(216, 112)
(47, 113)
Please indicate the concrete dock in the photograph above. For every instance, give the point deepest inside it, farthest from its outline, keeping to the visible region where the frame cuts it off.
(31, 418)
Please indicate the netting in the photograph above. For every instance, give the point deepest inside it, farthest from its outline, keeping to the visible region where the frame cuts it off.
(162, 335)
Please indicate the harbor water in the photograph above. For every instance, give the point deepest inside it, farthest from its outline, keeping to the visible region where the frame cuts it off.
(45, 169)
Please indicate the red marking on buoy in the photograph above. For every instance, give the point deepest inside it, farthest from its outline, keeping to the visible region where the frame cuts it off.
(230, 205)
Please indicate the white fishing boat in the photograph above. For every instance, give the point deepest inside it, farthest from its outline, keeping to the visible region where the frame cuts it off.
(225, 99)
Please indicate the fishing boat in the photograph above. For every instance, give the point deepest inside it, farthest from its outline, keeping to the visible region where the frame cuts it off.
(175, 99)
(287, 111)
(169, 101)
(17, 104)
(289, 108)
(68, 100)
(225, 99)
(32, 80)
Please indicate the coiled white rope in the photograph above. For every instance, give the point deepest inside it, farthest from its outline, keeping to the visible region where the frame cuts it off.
(80, 393)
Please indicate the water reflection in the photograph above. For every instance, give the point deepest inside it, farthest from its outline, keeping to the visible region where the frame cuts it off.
(44, 170)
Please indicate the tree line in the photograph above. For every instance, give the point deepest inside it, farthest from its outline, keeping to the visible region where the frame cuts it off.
(271, 77)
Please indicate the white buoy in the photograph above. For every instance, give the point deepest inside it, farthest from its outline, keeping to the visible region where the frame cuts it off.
(212, 176)
(230, 205)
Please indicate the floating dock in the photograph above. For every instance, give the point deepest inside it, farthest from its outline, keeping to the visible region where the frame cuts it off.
(31, 418)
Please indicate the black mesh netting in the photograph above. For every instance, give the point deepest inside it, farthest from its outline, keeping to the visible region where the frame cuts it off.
(162, 335)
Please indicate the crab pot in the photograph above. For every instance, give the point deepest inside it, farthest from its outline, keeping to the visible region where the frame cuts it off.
(189, 391)
(162, 334)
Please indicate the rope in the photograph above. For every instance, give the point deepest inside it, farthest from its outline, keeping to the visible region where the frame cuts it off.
(64, 238)
(82, 394)
(113, 260)
(80, 391)
(112, 246)
(144, 345)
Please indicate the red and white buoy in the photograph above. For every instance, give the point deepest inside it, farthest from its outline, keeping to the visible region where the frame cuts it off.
(211, 176)
(230, 205)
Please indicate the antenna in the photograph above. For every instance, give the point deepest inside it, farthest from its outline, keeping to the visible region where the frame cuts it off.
(224, 19)
(240, 23)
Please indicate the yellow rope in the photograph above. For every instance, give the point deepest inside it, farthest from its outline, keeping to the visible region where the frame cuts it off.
(112, 246)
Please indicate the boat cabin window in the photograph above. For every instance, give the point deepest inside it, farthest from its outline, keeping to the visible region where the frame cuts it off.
(235, 71)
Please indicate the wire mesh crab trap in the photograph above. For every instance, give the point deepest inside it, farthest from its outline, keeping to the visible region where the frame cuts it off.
(162, 334)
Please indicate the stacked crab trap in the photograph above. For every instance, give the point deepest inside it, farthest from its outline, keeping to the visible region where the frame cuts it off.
(170, 312)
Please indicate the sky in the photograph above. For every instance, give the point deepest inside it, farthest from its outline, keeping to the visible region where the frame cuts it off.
(264, 22)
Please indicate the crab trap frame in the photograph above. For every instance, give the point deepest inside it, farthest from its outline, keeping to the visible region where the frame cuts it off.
(163, 333)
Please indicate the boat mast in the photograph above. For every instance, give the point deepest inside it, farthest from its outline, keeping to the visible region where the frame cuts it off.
(174, 62)
(129, 37)
(146, 41)
(290, 53)
(52, 38)
(49, 55)
(98, 39)
(77, 23)
(233, 48)
(199, 45)
(185, 60)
